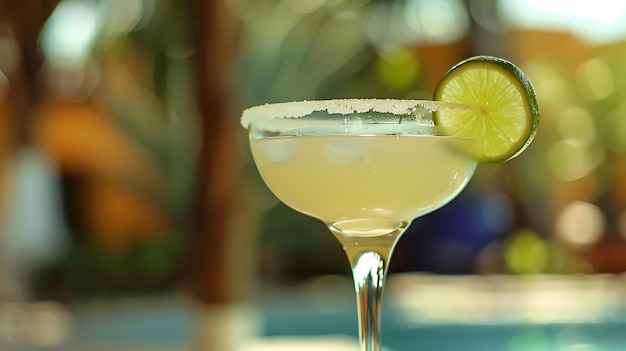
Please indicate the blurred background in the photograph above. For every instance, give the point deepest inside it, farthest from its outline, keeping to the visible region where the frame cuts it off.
(129, 203)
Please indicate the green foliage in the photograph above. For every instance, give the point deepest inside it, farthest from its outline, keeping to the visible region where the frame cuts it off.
(90, 271)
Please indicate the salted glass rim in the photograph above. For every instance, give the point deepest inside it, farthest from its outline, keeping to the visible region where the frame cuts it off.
(298, 109)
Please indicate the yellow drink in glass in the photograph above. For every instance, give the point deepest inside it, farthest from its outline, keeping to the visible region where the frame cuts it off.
(366, 168)
(373, 182)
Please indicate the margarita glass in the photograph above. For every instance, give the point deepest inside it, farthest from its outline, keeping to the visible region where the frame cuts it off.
(366, 168)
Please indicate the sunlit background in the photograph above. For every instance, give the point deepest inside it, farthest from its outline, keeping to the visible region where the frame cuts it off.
(132, 216)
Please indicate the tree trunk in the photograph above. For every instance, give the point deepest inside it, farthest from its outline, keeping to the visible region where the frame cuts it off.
(219, 247)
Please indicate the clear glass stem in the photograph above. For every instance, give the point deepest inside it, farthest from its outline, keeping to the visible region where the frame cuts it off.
(369, 258)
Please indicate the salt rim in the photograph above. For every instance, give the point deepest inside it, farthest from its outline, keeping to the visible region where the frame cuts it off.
(298, 109)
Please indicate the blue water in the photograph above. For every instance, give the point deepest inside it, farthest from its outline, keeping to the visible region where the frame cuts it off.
(601, 336)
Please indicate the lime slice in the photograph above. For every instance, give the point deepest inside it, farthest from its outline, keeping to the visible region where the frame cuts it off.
(499, 109)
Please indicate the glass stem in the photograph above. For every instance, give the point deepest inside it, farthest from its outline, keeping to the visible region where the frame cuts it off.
(368, 272)
(369, 259)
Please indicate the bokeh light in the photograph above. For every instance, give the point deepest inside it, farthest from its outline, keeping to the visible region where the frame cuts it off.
(526, 253)
(495, 215)
(569, 160)
(595, 79)
(70, 33)
(577, 126)
(398, 69)
(580, 223)
(552, 87)
(596, 22)
(417, 22)
(436, 21)
(9, 53)
(120, 17)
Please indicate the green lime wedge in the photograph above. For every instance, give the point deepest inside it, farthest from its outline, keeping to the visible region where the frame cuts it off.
(498, 109)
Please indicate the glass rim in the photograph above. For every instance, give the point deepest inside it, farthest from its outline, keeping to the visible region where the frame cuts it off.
(298, 109)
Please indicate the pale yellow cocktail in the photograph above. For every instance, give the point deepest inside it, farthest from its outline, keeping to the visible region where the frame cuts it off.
(366, 168)
(369, 183)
